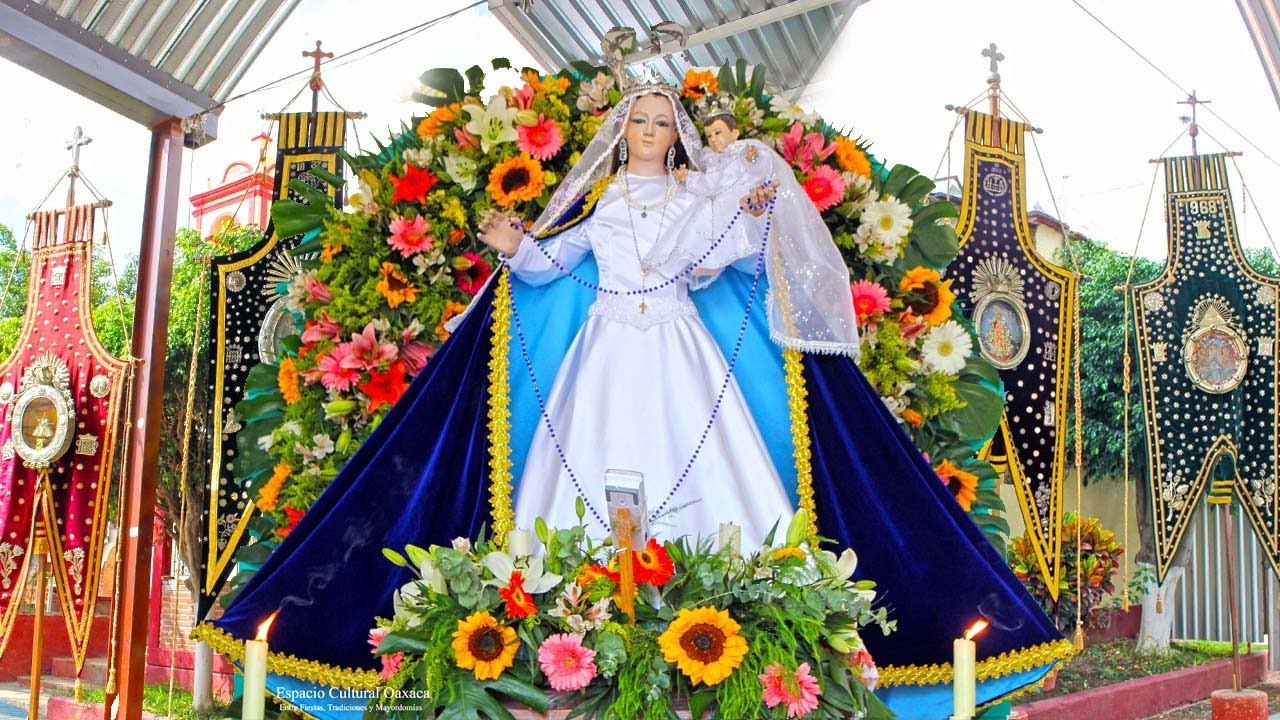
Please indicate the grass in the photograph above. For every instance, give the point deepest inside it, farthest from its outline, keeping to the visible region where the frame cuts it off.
(1117, 661)
(155, 700)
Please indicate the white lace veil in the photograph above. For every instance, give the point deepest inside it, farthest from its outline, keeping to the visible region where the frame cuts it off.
(810, 303)
(596, 160)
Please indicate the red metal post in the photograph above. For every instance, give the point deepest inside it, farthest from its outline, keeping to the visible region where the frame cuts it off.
(151, 331)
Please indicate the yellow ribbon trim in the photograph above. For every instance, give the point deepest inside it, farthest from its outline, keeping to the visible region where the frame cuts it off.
(797, 401)
(500, 413)
(989, 669)
(593, 197)
(310, 670)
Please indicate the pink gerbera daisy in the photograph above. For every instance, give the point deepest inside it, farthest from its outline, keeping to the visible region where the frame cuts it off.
(825, 187)
(390, 663)
(410, 237)
(869, 299)
(334, 370)
(542, 140)
(798, 690)
(568, 665)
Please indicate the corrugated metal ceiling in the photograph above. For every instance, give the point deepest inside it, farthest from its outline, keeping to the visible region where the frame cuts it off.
(789, 37)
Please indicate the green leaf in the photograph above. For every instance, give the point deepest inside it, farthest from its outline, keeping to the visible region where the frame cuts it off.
(291, 217)
(981, 414)
(520, 691)
(446, 81)
(933, 212)
(898, 178)
(501, 63)
(990, 522)
(395, 557)
(700, 702)
(325, 175)
(932, 245)
(756, 88)
(475, 80)
(402, 641)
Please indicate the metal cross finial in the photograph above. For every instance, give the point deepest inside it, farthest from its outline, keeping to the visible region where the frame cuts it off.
(318, 55)
(76, 142)
(995, 56)
(1193, 101)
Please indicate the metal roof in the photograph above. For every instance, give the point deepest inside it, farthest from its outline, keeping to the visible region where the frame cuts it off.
(146, 59)
(789, 37)
(1262, 19)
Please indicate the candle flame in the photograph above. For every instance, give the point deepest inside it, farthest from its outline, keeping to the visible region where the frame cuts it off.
(975, 629)
(266, 626)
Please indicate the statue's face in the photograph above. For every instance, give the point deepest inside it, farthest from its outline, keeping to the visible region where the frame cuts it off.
(651, 130)
(720, 136)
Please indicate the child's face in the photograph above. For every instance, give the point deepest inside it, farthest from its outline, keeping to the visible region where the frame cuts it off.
(719, 136)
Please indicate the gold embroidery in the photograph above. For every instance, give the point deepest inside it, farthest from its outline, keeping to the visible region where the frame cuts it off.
(500, 412)
(797, 401)
(281, 664)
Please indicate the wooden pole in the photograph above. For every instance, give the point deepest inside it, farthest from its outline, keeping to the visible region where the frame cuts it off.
(151, 331)
(39, 547)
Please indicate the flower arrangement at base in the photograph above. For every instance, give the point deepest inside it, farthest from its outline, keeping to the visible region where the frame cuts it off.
(773, 633)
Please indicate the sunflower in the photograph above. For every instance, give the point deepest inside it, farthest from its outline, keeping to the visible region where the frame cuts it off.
(699, 83)
(704, 643)
(484, 646)
(653, 564)
(516, 180)
(963, 485)
(933, 296)
(394, 286)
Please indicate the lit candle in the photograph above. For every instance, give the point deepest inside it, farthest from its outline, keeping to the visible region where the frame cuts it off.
(964, 662)
(519, 543)
(731, 539)
(255, 673)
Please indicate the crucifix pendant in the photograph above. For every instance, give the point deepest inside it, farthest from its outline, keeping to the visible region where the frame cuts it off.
(643, 307)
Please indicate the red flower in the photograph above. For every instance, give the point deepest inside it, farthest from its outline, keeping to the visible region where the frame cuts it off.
(414, 185)
(385, 388)
(542, 140)
(869, 299)
(294, 515)
(825, 187)
(590, 573)
(653, 565)
(519, 604)
(472, 273)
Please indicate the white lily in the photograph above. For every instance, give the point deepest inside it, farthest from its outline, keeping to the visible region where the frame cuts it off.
(461, 170)
(494, 123)
(432, 576)
(535, 580)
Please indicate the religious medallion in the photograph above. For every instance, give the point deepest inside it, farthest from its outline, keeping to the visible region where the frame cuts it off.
(43, 412)
(1000, 315)
(1215, 353)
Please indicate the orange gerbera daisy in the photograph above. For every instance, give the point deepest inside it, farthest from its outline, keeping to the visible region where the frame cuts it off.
(433, 124)
(519, 604)
(515, 180)
(699, 83)
(851, 158)
(963, 485)
(394, 286)
(653, 565)
(287, 379)
(590, 573)
(933, 296)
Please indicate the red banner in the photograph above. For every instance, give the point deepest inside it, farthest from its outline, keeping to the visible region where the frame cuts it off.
(60, 397)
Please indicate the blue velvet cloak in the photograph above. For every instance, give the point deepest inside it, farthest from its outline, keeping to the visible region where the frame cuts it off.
(423, 478)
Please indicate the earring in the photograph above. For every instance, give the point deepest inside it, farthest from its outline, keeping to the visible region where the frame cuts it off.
(622, 151)
(671, 158)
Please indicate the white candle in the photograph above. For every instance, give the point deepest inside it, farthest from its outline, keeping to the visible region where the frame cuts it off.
(964, 662)
(519, 543)
(255, 674)
(731, 539)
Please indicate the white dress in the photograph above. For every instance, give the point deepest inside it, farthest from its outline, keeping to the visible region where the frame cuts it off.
(637, 390)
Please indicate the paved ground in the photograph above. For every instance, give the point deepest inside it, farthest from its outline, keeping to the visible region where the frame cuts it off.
(14, 699)
(1202, 711)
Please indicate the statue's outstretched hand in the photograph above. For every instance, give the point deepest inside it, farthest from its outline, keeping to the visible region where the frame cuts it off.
(502, 233)
(757, 200)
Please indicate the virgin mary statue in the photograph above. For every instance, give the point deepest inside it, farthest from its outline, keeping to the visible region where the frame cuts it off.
(696, 332)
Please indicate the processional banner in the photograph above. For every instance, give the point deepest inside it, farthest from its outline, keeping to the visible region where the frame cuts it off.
(60, 398)
(1022, 309)
(1206, 336)
(250, 320)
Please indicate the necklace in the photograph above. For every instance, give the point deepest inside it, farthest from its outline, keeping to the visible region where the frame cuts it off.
(631, 222)
(644, 209)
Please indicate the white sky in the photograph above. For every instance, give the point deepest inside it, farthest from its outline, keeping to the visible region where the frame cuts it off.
(1104, 111)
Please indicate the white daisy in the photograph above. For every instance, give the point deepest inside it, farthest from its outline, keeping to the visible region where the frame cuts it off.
(946, 348)
(889, 219)
(788, 110)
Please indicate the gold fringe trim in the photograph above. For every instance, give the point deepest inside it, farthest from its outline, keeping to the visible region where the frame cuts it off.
(797, 401)
(991, 668)
(310, 670)
(593, 197)
(500, 413)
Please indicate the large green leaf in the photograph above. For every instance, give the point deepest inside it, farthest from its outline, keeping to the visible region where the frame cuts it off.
(291, 217)
(932, 245)
(446, 81)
